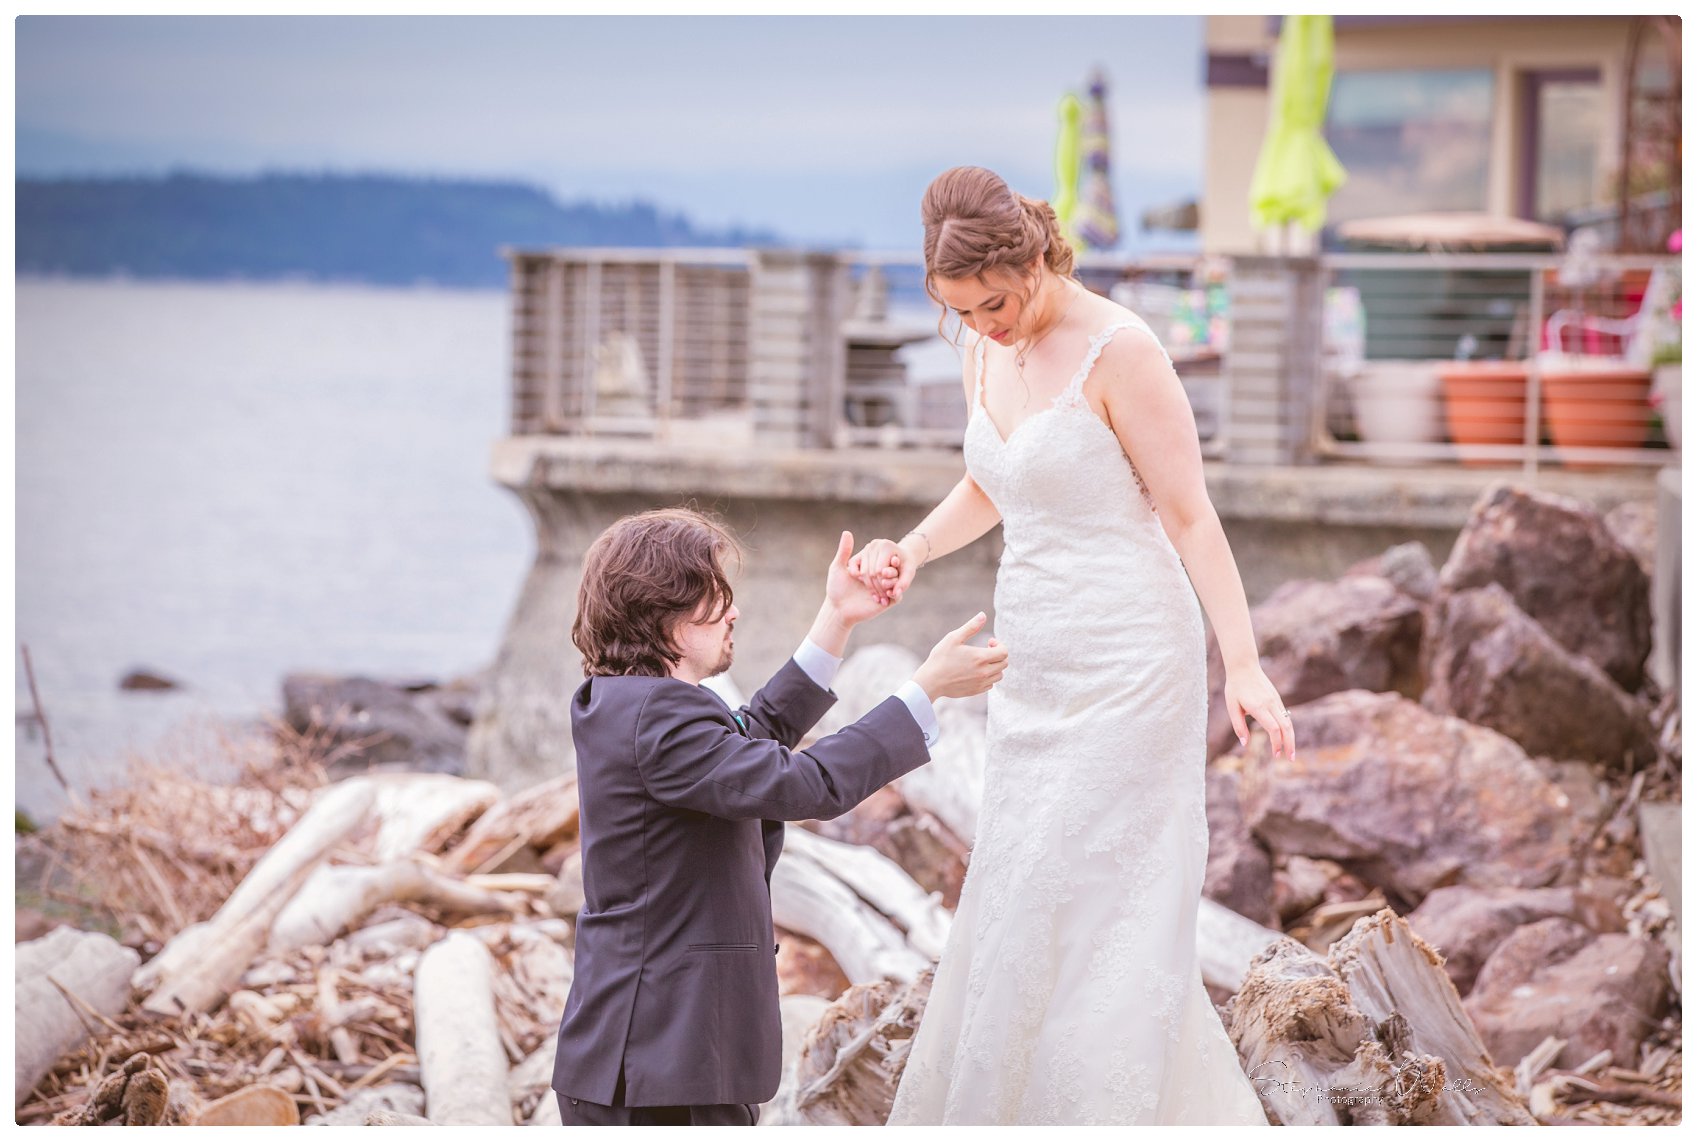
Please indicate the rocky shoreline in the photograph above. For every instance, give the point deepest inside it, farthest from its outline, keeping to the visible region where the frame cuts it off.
(1485, 771)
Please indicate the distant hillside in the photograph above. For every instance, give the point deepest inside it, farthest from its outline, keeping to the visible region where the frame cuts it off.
(343, 228)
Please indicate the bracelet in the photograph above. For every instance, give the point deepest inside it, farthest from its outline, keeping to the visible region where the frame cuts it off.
(927, 539)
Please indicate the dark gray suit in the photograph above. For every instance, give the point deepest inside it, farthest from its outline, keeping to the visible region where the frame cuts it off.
(675, 989)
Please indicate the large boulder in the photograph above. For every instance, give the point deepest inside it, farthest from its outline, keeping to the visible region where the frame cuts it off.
(1240, 872)
(1490, 663)
(1561, 563)
(1408, 567)
(1360, 632)
(1554, 977)
(376, 725)
(1406, 799)
(1468, 923)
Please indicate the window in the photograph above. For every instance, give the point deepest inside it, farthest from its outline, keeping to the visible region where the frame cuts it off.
(1563, 121)
(1412, 141)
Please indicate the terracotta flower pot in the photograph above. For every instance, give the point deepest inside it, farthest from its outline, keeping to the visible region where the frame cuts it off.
(1602, 405)
(1484, 403)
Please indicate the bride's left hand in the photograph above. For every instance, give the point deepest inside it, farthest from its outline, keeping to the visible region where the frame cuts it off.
(1249, 693)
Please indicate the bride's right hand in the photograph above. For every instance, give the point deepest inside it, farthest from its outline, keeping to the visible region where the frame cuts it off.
(886, 568)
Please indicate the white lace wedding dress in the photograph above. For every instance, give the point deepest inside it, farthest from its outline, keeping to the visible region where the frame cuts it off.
(1069, 990)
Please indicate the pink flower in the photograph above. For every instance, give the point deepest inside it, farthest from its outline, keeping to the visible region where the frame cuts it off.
(1674, 242)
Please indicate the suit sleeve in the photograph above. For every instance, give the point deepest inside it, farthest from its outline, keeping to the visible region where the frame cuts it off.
(787, 706)
(690, 755)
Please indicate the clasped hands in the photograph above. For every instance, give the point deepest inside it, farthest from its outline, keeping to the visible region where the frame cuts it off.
(954, 668)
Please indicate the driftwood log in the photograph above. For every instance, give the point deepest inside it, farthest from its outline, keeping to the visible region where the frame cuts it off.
(810, 900)
(203, 962)
(851, 1062)
(1227, 943)
(1374, 1036)
(66, 981)
(336, 812)
(541, 818)
(335, 899)
(460, 1055)
(881, 883)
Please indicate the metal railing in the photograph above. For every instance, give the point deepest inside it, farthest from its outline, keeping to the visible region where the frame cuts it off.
(1497, 359)
(1343, 357)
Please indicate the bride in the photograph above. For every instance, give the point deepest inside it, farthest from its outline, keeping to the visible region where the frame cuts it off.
(1069, 990)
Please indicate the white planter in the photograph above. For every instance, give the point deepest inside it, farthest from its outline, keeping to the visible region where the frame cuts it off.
(1399, 403)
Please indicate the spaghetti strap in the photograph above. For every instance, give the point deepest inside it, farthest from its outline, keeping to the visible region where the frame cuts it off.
(1074, 391)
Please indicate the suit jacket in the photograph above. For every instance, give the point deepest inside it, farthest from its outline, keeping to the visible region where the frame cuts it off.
(682, 801)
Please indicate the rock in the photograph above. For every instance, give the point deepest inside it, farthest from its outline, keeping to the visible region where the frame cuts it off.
(1600, 992)
(1406, 799)
(458, 698)
(1467, 924)
(1490, 663)
(380, 724)
(1407, 566)
(1562, 565)
(1580, 780)
(1360, 632)
(1301, 884)
(1634, 524)
(147, 680)
(1240, 872)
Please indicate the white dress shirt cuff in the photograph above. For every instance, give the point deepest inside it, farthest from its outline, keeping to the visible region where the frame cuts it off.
(913, 696)
(819, 664)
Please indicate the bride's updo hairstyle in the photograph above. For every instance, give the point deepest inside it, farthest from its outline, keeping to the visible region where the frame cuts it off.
(975, 223)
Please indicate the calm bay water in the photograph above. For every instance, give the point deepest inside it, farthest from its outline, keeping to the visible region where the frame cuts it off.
(226, 483)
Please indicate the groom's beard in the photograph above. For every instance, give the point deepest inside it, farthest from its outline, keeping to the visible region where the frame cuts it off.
(724, 662)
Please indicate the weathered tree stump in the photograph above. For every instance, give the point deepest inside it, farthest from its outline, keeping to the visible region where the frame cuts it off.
(852, 1061)
(1375, 1035)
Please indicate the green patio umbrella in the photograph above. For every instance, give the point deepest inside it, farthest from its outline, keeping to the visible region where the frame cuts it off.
(1066, 166)
(1296, 171)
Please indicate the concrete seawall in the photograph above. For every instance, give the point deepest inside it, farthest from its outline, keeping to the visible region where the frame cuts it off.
(788, 509)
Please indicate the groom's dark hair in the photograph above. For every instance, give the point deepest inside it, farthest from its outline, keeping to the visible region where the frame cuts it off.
(641, 577)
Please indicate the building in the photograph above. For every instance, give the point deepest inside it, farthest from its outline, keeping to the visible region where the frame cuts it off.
(1524, 116)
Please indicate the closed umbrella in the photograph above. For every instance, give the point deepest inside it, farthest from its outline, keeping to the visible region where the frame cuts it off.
(1296, 171)
(1066, 166)
(1098, 225)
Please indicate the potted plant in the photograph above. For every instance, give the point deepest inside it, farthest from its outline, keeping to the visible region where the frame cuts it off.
(1484, 403)
(1664, 391)
(1398, 402)
(1595, 402)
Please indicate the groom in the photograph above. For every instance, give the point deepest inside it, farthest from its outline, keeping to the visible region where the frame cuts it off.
(673, 1013)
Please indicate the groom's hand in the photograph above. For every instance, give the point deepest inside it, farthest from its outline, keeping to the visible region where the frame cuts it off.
(957, 668)
(851, 601)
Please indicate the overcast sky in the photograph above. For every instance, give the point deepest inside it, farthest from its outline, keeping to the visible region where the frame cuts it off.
(825, 129)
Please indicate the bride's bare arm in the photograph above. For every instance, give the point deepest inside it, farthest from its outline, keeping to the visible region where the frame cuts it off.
(1150, 414)
(965, 514)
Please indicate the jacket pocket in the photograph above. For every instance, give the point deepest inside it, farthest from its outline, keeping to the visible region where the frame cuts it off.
(745, 948)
